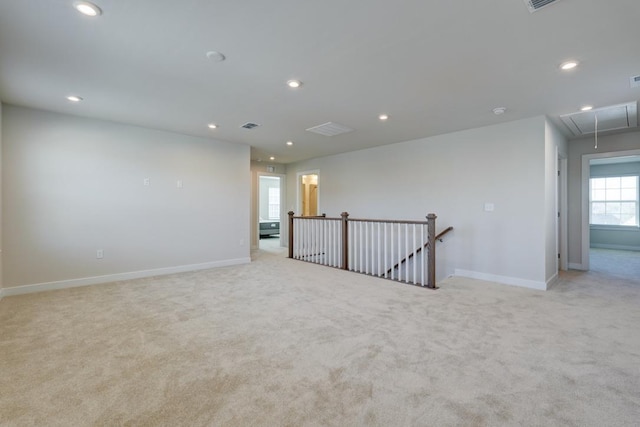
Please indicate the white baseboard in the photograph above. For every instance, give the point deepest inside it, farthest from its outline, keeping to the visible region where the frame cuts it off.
(513, 281)
(553, 281)
(618, 247)
(95, 280)
(575, 266)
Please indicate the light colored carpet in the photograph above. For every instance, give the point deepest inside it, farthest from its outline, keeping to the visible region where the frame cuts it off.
(615, 264)
(283, 343)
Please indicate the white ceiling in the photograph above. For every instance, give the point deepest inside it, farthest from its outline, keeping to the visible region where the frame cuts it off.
(433, 66)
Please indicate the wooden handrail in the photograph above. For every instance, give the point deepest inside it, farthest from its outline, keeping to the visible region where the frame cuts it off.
(390, 221)
(443, 232)
(387, 221)
(438, 237)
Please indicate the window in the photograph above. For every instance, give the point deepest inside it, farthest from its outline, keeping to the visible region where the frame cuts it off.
(614, 201)
(274, 203)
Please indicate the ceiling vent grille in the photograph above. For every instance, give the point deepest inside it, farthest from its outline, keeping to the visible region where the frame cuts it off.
(615, 117)
(535, 5)
(330, 129)
(249, 125)
(635, 81)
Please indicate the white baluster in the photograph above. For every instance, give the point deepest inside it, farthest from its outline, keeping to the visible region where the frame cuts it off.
(415, 257)
(386, 249)
(406, 251)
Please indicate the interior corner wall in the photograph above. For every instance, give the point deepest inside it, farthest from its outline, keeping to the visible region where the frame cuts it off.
(73, 186)
(555, 146)
(454, 176)
(577, 149)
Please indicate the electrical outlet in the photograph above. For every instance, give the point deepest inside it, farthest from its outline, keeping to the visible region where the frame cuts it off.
(99, 254)
(146, 182)
(179, 183)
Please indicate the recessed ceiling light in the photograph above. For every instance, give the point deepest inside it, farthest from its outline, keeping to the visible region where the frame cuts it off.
(383, 117)
(294, 84)
(499, 111)
(216, 56)
(212, 126)
(74, 98)
(587, 108)
(289, 143)
(272, 158)
(87, 8)
(569, 65)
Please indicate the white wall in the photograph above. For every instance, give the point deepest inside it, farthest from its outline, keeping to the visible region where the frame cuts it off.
(453, 175)
(73, 185)
(578, 148)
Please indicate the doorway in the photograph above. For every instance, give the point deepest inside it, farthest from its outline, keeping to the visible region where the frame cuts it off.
(614, 168)
(308, 193)
(270, 211)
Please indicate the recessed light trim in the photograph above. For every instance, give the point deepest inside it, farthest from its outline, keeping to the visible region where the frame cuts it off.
(568, 65)
(86, 8)
(383, 117)
(498, 111)
(212, 126)
(215, 56)
(289, 143)
(74, 98)
(294, 84)
(586, 108)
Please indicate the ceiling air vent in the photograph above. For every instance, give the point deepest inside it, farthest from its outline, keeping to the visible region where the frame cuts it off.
(330, 129)
(249, 125)
(635, 81)
(535, 5)
(615, 117)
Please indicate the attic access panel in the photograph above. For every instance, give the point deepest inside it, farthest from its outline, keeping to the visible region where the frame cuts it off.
(330, 129)
(615, 117)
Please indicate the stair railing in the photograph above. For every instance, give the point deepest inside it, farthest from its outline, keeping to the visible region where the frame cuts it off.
(402, 251)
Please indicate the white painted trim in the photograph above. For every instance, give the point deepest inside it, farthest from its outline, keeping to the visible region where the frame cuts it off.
(618, 247)
(95, 280)
(575, 266)
(513, 281)
(553, 281)
(298, 210)
(564, 214)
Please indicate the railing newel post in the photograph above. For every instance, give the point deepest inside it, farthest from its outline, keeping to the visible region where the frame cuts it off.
(431, 254)
(291, 234)
(345, 240)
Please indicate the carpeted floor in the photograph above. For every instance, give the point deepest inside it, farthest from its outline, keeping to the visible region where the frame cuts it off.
(615, 264)
(284, 343)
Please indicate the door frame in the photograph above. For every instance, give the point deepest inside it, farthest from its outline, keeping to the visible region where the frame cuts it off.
(283, 210)
(563, 209)
(298, 189)
(586, 175)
